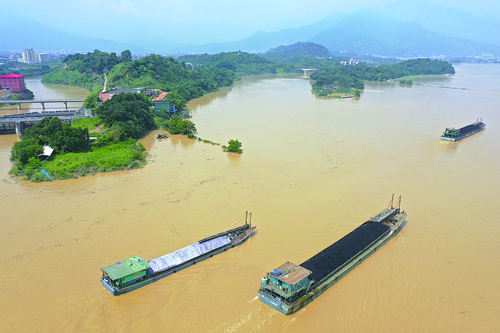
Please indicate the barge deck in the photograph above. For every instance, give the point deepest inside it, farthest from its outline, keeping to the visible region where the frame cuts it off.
(452, 134)
(136, 272)
(290, 287)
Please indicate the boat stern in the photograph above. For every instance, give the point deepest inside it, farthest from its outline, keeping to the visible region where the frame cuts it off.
(109, 287)
(275, 304)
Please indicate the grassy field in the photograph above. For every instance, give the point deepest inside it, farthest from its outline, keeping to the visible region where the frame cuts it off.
(88, 123)
(117, 156)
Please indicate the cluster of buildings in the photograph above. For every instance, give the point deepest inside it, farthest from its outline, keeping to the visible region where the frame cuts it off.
(30, 57)
(351, 62)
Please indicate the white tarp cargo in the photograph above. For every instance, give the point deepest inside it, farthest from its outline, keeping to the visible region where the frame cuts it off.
(187, 253)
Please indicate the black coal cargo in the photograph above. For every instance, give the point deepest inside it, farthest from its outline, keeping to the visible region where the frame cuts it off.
(340, 252)
(469, 128)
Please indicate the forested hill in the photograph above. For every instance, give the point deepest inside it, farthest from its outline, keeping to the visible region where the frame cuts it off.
(153, 71)
(362, 71)
(241, 63)
(298, 50)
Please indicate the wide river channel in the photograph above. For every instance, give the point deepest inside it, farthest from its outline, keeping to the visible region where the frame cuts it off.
(312, 170)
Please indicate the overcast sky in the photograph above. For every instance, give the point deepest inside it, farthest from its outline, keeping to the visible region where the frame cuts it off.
(197, 21)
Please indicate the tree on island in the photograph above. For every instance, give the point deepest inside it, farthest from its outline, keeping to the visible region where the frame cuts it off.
(234, 146)
(177, 125)
(50, 132)
(130, 113)
(23, 150)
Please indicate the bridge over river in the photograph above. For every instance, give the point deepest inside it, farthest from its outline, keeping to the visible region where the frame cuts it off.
(306, 69)
(41, 101)
(17, 123)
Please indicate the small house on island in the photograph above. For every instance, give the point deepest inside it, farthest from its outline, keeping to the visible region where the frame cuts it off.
(160, 102)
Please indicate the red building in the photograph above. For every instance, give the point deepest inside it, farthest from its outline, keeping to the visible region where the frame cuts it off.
(14, 82)
(105, 95)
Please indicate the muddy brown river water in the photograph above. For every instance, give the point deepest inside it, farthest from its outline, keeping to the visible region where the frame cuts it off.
(312, 170)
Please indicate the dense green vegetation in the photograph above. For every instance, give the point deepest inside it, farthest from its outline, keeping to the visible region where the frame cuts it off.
(73, 156)
(297, 52)
(240, 63)
(168, 74)
(345, 77)
(153, 71)
(386, 72)
(129, 114)
(233, 146)
(177, 125)
(86, 70)
(124, 155)
(14, 67)
(27, 94)
(126, 116)
(330, 84)
(62, 75)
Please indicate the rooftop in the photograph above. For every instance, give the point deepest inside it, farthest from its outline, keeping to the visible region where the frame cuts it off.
(122, 90)
(11, 76)
(291, 273)
(161, 96)
(125, 268)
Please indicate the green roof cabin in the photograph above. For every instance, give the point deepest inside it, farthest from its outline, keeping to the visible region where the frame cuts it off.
(126, 271)
(288, 280)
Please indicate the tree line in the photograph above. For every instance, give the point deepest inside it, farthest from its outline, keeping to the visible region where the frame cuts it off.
(240, 63)
(363, 71)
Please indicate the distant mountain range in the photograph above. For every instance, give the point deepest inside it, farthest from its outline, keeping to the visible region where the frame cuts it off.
(406, 28)
(17, 37)
(426, 29)
(446, 21)
(366, 32)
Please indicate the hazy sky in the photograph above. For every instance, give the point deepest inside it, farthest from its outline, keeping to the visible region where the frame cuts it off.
(197, 21)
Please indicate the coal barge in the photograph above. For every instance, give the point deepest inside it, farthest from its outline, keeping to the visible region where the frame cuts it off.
(290, 287)
(452, 134)
(136, 272)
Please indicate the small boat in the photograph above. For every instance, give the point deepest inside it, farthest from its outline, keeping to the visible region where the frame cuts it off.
(290, 287)
(136, 272)
(452, 134)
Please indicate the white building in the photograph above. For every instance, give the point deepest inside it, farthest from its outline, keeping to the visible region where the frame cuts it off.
(30, 57)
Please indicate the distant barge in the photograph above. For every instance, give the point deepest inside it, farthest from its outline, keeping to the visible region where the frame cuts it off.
(136, 272)
(290, 287)
(452, 134)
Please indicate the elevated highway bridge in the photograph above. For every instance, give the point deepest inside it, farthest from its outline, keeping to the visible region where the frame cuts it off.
(17, 123)
(41, 101)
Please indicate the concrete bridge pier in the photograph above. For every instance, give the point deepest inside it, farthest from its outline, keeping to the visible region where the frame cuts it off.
(19, 106)
(66, 105)
(19, 128)
(43, 106)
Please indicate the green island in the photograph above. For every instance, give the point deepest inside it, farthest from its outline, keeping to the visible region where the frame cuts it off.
(339, 80)
(108, 142)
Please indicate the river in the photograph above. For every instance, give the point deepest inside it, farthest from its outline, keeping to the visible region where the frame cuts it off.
(312, 170)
